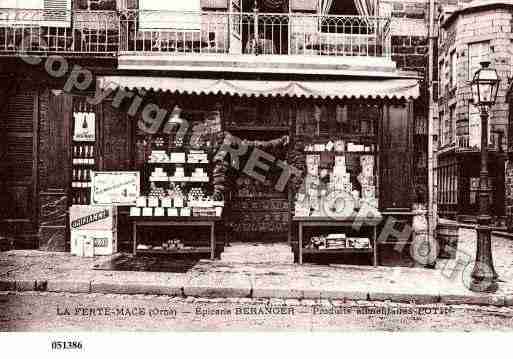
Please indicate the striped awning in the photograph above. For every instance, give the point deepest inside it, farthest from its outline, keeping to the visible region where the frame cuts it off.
(351, 88)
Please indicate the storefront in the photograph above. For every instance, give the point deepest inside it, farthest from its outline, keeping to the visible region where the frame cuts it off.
(300, 153)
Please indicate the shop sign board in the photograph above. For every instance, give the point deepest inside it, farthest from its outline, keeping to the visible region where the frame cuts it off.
(85, 217)
(84, 126)
(120, 188)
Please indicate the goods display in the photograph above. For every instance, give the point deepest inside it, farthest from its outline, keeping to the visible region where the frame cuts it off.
(178, 185)
(338, 241)
(340, 179)
(83, 163)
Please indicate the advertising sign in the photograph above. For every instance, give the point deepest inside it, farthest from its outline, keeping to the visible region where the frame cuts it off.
(84, 126)
(115, 188)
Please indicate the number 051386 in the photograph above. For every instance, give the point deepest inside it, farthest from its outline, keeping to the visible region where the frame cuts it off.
(66, 345)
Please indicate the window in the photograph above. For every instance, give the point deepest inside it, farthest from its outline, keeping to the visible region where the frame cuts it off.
(335, 24)
(453, 70)
(474, 127)
(477, 52)
(172, 15)
(452, 124)
(57, 15)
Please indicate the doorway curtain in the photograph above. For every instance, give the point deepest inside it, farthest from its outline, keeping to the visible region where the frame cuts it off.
(364, 7)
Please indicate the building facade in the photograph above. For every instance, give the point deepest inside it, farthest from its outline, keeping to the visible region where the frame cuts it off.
(314, 72)
(469, 34)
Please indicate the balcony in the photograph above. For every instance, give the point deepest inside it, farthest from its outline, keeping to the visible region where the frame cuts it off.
(70, 33)
(150, 32)
(465, 143)
(165, 33)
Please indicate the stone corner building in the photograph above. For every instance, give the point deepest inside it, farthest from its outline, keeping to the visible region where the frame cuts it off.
(468, 34)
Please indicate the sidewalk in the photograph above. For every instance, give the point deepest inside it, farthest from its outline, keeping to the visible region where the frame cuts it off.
(61, 272)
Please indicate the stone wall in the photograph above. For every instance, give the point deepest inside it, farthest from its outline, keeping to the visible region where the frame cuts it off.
(493, 25)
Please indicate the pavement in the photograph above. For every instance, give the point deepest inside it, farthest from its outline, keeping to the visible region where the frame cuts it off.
(61, 272)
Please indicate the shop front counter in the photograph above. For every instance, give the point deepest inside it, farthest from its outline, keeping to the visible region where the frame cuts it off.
(170, 248)
(349, 241)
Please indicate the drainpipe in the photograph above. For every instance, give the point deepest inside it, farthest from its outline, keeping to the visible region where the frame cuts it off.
(432, 206)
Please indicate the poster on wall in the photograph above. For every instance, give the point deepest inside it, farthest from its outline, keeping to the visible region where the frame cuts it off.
(115, 188)
(84, 128)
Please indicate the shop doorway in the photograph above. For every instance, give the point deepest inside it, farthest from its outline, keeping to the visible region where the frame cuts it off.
(258, 211)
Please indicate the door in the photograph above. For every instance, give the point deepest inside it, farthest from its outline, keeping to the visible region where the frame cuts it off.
(18, 164)
(396, 157)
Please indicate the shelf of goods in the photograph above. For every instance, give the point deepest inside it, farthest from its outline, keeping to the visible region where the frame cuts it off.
(339, 185)
(83, 164)
(178, 193)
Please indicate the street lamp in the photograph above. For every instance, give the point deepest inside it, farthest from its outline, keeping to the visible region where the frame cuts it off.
(484, 94)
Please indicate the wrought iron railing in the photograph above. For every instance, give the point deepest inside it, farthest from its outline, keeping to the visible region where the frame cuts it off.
(59, 31)
(253, 33)
(163, 32)
(466, 143)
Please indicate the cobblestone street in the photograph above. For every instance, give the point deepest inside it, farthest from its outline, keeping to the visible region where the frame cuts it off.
(31, 311)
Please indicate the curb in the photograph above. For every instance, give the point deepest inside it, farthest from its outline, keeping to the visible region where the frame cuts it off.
(66, 286)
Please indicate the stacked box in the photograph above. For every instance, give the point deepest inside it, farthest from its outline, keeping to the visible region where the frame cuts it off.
(93, 227)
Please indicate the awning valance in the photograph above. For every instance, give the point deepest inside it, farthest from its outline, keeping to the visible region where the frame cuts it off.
(353, 88)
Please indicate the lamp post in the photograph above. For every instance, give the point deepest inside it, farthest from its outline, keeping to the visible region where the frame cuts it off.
(485, 85)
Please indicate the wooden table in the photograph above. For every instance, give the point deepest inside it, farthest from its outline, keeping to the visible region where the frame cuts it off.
(333, 222)
(157, 221)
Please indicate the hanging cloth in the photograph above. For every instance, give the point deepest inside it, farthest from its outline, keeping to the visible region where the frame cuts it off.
(325, 6)
(366, 7)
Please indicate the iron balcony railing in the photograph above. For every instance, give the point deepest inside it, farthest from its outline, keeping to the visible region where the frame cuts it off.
(108, 33)
(94, 33)
(468, 143)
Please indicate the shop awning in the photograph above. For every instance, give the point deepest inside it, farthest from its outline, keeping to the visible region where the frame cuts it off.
(353, 88)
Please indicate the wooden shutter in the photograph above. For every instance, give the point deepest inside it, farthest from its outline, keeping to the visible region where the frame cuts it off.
(396, 157)
(57, 13)
(19, 158)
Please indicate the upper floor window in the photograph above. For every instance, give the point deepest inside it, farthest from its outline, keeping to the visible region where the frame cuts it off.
(477, 52)
(357, 25)
(453, 71)
(172, 15)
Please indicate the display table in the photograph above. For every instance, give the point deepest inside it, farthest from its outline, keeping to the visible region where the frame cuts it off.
(333, 222)
(176, 221)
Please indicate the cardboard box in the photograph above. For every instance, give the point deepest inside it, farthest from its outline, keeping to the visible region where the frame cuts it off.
(153, 202)
(89, 243)
(166, 202)
(86, 217)
(135, 211)
(141, 202)
(159, 212)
